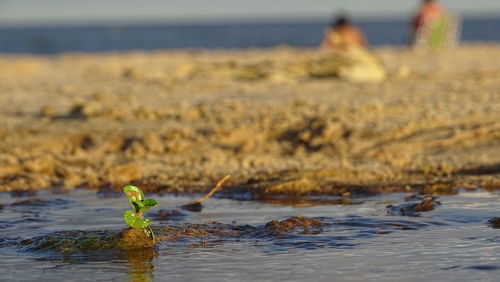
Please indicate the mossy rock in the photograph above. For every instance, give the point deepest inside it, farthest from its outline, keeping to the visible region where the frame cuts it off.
(133, 238)
(428, 203)
(68, 242)
(494, 222)
(304, 224)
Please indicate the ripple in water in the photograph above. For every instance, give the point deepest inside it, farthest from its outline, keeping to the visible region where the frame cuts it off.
(247, 240)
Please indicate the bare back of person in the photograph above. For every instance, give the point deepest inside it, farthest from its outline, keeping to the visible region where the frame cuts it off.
(343, 36)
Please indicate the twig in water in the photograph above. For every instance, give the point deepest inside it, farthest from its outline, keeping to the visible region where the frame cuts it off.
(209, 194)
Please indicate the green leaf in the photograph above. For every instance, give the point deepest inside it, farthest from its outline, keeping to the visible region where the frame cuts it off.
(133, 193)
(135, 197)
(135, 221)
(150, 203)
(147, 204)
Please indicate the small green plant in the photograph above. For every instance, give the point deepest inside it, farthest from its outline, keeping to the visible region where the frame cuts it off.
(134, 218)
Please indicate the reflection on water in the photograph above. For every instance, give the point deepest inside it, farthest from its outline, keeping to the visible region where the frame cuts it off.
(247, 241)
(141, 264)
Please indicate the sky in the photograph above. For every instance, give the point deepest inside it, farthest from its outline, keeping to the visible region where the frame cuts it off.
(123, 11)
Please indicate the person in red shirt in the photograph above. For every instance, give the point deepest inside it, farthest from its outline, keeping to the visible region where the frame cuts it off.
(428, 12)
(343, 35)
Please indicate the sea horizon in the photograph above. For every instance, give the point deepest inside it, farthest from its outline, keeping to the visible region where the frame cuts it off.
(154, 35)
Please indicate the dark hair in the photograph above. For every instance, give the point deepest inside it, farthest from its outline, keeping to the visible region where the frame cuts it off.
(340, 21)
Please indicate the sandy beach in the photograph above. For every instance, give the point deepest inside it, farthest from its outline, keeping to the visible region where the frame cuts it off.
(279, 123)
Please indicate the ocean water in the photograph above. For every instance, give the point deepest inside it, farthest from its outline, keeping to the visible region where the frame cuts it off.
(105, 38)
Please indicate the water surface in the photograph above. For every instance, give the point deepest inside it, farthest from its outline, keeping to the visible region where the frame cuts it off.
(361, 242)
(127, 37)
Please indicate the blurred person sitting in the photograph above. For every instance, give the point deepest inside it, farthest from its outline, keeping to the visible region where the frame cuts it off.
(342, 35)
(348, 56)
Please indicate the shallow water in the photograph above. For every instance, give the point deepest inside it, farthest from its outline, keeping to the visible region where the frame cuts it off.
(361, 242)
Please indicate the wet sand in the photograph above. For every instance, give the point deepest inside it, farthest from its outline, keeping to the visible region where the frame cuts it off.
(177, 121)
